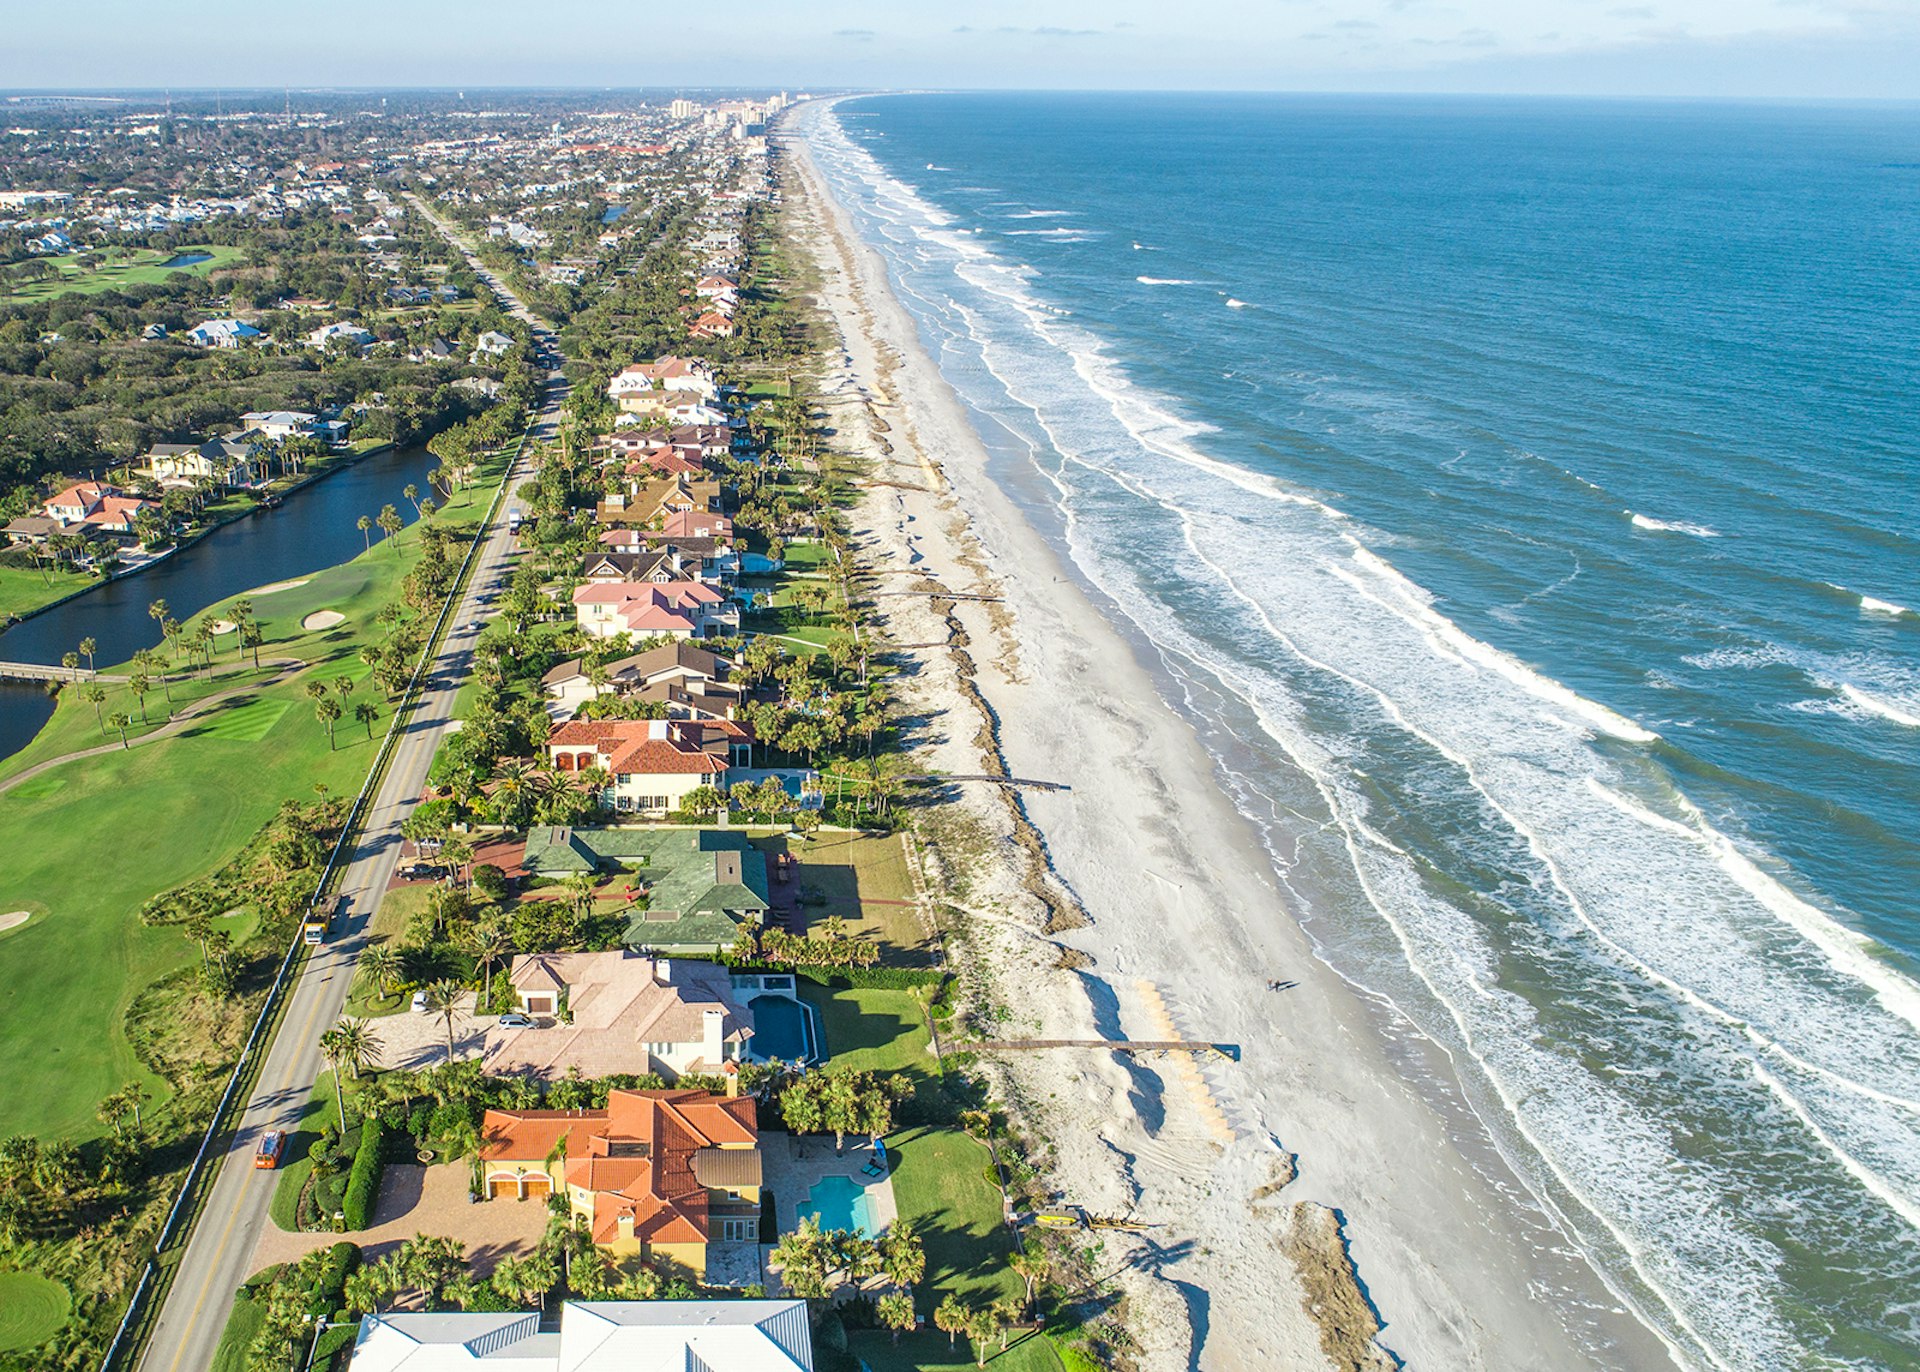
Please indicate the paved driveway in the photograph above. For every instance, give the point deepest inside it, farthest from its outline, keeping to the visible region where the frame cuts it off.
(425, 1200)
(414, 1040)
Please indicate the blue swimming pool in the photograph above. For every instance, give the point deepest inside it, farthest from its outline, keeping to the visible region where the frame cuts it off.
(785, 1029)
(839, 1203)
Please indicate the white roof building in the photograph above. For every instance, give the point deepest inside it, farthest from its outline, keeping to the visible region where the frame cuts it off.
(595, 1336)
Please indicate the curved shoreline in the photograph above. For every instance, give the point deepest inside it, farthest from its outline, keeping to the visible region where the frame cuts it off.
(1441, 1248)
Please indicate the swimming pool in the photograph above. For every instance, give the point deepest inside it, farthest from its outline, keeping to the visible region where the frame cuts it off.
(839, 1203)
(784, 1029)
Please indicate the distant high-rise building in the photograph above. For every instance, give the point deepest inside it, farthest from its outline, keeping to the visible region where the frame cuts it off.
(681, 109)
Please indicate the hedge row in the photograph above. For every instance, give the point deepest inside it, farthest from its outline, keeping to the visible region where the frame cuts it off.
(363, 1182)
(878, 978)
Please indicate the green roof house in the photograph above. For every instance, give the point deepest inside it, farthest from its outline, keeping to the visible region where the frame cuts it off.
(702, 884)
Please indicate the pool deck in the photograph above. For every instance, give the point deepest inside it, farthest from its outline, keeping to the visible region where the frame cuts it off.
(792, 1165)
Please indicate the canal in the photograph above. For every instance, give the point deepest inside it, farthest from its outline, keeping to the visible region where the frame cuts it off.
(316, 526)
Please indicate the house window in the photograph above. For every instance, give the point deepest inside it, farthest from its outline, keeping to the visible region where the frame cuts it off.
(661, 1050)
(739, 1230)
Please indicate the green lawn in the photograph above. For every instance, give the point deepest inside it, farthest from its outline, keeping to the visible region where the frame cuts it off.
(929, 1352)
(33, 1309)
(294, 1162)
(243, 1325)
(25, 589)
(940, 1184)
(864, 881)
(872, 1029)
(141, 266)
(91, 840)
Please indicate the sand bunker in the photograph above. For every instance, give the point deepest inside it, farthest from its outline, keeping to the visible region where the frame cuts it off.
(224, 626)
(14, 920)
(322, 619)
(278, 586)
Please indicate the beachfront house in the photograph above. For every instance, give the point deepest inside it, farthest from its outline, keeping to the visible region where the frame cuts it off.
(619, 1012)
(651, 764)
(594, 1336)
(646, 609)
(656, 1175)
(700, 886)
(691, 682)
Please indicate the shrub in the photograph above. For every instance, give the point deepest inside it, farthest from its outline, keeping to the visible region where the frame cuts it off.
(343, 1259)
(363, 1182)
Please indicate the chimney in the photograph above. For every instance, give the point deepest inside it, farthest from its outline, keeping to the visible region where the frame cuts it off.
(712, 1045)
(731, 1071)
(664, 970)
(676, 561)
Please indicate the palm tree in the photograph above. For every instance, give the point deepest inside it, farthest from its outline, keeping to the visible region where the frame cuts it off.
(328, 712)
(382, 963)
(365, 525)
(895, 1310)
(87, 646)
(349, 1046)
(1030, 1265)
(443, 999)
(389, 521)
(251, 636)
(95, 696)
(487, 940)
(120, 720)
(412, 493)
(140, 683)
(365, 713)
(950, 1317)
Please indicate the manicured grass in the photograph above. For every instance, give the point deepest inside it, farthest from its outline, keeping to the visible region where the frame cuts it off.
(864, 881)
(389, 921)
(247, 723)
(872, 1029)
(940, 1184)
(33, 1309)
(122, 269)
(295, 1165)
(92, 840)
(243, 1326)
(24, 589)
(929, 1352)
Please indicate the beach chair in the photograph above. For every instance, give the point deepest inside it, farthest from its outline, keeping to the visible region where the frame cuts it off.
(878, 1167)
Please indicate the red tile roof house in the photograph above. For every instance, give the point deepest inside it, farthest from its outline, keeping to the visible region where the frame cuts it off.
(92, 508)
(653, 763)
(656, 1175)
(679, 609)
(624, 1013)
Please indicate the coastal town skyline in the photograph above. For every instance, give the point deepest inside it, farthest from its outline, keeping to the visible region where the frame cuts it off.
(1662, 48)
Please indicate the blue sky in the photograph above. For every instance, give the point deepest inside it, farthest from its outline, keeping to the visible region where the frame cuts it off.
(1791, 48)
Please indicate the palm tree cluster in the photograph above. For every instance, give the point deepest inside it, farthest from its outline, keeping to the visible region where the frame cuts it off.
(841, 1101)
(814, 1263)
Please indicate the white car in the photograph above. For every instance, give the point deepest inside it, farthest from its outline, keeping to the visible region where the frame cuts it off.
(513, 1019)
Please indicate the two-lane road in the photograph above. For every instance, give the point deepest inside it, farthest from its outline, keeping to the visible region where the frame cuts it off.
(219, 1254)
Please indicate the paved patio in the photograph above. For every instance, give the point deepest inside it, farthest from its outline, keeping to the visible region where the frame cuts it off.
(425, 1200)
(791, 1165)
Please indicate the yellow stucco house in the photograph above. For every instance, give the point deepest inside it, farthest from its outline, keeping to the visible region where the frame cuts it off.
(656, 1175)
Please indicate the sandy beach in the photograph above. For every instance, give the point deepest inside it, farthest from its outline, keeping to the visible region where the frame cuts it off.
(1137, 904)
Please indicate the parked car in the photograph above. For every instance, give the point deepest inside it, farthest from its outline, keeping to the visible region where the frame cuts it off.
(272, 1144)
(513, 1019)
(420, 1002)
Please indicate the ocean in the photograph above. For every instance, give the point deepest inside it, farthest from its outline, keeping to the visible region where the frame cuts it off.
(1522, 499)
